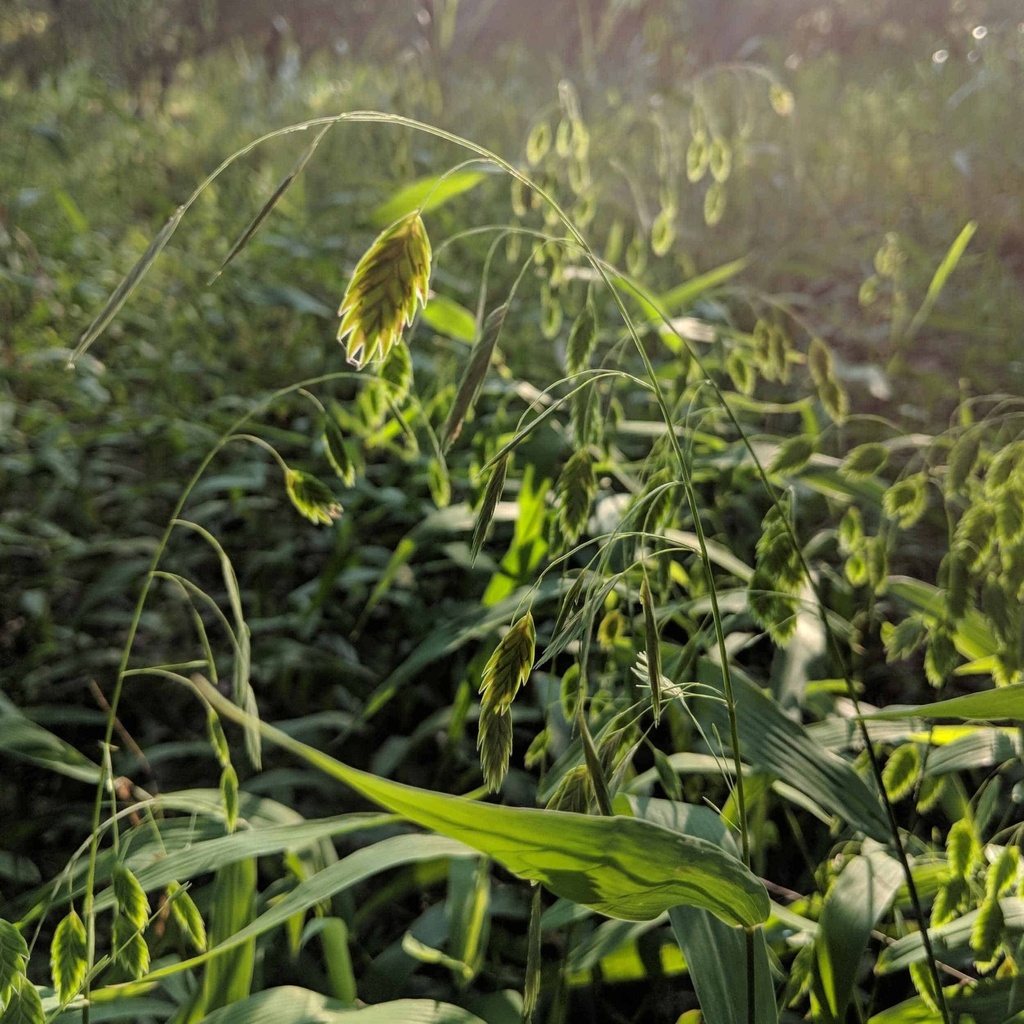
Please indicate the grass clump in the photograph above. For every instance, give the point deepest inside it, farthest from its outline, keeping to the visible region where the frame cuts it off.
(715, 557)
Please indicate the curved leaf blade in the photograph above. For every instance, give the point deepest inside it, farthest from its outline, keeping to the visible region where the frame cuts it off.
(292, 1005)
(425, 194)
(622, 867)
(986, 706)
(856, 901)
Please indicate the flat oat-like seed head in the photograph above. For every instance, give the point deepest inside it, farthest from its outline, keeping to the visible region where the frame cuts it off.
(388, 284)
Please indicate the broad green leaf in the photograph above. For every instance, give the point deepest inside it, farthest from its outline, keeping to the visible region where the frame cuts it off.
(17, 869)
(980, 748)
(68, 956)
(633, 959)
(228, 978)
(110, 1005)
(996, 1001)
(447, 317)
(468, 909)
(986, 706)
(181, 850)
(529, 542)
(773, 742)
(718, 554)
(683, 296)
(715, 954)
(425, 194)
(605, 939)
(716, 957)
(687, 819)
(338, 958)
(621, 867)
(855, 903)
(292, 1005)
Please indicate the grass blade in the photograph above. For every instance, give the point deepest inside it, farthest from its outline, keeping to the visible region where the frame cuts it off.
(425, 194)
(292, 1005)
(621, 867)
(447, 316)
(119, 296)
(771, 741)
(986, 706)
(941, 276)
(268, 206)
(855, 903)
(716, 957)
(473, 377)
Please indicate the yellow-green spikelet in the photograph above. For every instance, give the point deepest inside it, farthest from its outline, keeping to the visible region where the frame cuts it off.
(388, 283)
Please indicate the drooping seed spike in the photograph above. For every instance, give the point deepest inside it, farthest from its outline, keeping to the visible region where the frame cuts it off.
(509, 666)
(388, 284)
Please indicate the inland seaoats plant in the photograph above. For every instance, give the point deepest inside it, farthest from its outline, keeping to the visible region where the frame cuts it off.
(389, 282)
(638, 858)
(506, 671)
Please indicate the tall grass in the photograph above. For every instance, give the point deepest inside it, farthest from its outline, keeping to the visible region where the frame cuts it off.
(693, 567)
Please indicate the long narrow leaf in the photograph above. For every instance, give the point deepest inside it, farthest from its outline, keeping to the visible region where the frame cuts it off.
(716, 957)
(986, 706)
(855, 903)
(448, 317)
(357, 867)
(229, 978)
(773, 742)
(23, 739)
(973, 636)
(268, 206)
(293, 1005)
(941, 276)
(621, 867)
(474, 374)
(120, 294)
(950, 937)
(425, 194)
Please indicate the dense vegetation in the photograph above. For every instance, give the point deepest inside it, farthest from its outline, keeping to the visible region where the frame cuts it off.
(624, 622)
